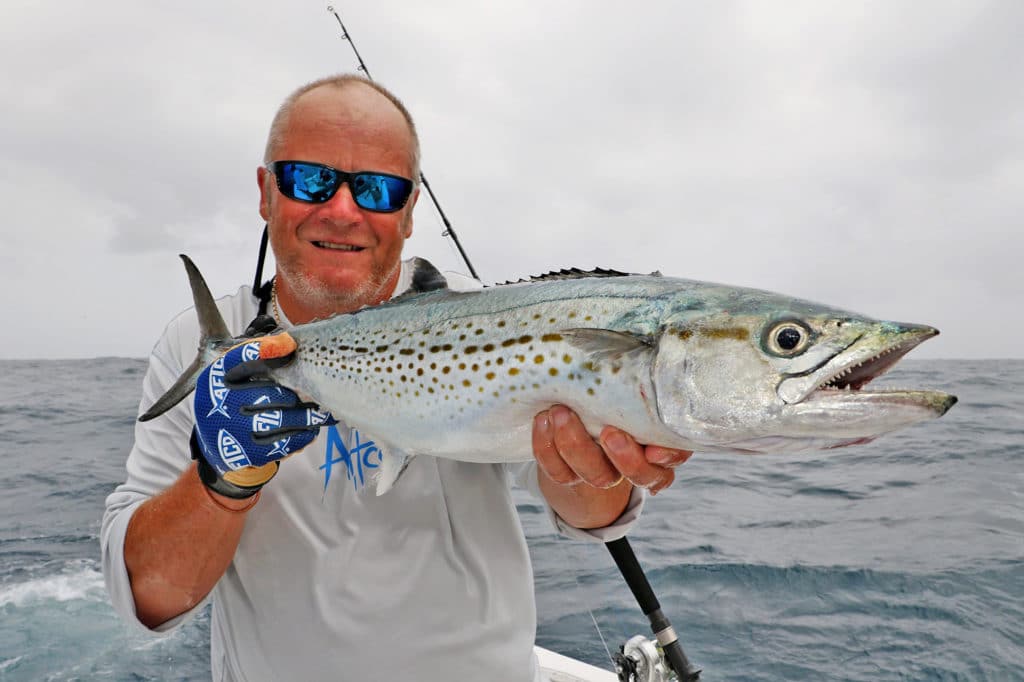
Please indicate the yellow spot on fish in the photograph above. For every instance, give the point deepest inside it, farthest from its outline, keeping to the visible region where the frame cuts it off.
(567, 358)
(538, 359)
(553, 372)
(513, 371)
(551, 337)
(466, 382)
(737, 333)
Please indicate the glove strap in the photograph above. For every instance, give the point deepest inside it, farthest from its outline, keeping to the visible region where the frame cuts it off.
(212, 480)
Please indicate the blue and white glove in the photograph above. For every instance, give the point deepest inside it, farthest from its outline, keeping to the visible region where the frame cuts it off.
(245, 422)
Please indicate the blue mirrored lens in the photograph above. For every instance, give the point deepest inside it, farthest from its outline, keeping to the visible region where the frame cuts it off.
(307, 182)
(377, 192)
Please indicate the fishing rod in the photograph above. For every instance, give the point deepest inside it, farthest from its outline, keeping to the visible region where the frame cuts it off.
(449, 231)
(639, 660)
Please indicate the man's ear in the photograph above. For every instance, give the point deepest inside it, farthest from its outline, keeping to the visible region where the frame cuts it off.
(263, 179)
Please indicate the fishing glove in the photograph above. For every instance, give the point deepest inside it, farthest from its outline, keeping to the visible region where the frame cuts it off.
(245, 422)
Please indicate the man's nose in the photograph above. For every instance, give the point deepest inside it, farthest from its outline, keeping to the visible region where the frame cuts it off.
(342, 205)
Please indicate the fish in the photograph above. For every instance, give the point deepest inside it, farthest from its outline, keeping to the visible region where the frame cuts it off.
(679, 363)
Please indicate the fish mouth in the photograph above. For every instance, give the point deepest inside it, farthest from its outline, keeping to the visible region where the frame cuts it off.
(854, 376)
(871, 356)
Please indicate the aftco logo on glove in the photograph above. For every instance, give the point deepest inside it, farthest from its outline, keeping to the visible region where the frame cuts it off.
(231, 450)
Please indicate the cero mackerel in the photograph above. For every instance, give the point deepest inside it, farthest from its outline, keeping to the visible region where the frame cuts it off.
(674, 362)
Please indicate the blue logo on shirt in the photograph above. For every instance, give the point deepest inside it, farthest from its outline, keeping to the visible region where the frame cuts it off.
(357, 456)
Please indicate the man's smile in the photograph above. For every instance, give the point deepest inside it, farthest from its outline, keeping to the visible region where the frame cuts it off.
(337, 247)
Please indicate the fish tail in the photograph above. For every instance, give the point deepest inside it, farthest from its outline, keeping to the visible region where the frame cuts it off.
(214, 338)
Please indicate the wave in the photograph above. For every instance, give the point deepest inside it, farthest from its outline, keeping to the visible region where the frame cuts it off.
(83, 584)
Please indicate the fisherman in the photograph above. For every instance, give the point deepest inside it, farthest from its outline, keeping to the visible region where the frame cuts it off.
(311, 577)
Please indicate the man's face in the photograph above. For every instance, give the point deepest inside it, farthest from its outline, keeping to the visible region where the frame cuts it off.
(337, 257)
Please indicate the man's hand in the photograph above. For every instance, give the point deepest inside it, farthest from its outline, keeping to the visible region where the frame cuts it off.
(245, 422)
(568, 457)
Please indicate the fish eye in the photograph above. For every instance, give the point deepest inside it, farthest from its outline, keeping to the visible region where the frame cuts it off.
(787, 338)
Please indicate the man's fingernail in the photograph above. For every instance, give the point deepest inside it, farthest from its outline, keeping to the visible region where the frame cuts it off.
(560, 415)
(543, 423)
(616, 442)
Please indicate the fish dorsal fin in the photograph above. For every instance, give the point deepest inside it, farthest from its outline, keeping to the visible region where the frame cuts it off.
(573, 273)
(425, 277)
(606, 344)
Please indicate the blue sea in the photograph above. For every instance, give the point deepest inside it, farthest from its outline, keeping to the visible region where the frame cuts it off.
(898, 560)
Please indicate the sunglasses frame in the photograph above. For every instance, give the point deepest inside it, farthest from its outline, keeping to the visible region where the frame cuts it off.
(344, 177)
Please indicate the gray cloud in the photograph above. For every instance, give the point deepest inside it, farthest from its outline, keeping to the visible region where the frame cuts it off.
(868, 155)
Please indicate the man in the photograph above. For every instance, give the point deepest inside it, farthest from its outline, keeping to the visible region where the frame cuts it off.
(312, 577)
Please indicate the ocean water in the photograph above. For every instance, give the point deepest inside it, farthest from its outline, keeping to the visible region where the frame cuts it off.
(899, 560)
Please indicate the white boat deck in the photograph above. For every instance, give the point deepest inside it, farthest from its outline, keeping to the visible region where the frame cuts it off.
(559, 668)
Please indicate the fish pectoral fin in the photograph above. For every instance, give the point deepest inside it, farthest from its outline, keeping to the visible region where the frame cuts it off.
(606, 344)
(393, 463)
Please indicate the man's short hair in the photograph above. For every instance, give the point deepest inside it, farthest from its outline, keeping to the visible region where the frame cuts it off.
(344, 80)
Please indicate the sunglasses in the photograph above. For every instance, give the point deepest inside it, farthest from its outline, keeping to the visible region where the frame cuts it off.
(315, 183)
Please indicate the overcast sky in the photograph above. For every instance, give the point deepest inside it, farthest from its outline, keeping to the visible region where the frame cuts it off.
(869, 155)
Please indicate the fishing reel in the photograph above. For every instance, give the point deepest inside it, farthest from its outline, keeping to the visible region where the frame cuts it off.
(642, 660)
